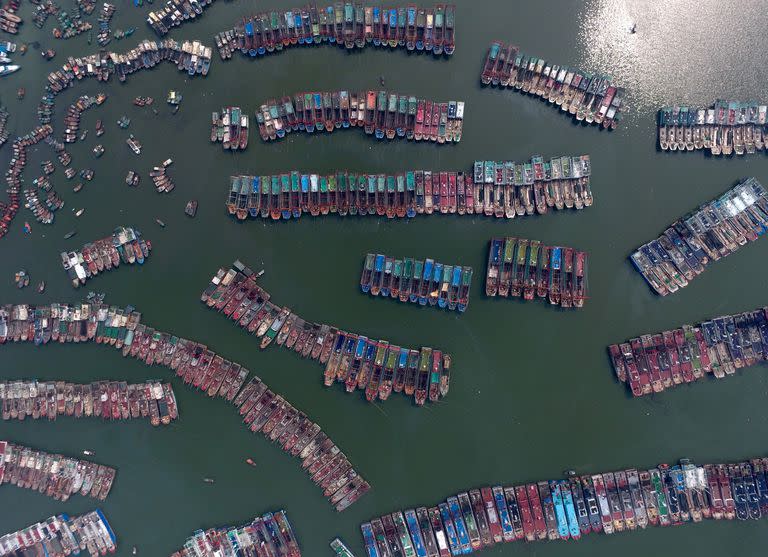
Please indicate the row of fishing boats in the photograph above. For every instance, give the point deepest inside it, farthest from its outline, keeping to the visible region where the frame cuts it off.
(193, 57)
(573, 507)
(104, 36)
(346, 24)
(508, 188)
(417, 281)
(714, 230)
(125, 245)
(53, 475)
(380, 113)
(174, 13)
(230, 128)
(518, 267)
(62, 535)
(269, 535)
(377, 367)
(590, 98)
(3, 125)
(496, 189)
(109, 400)
(722, 129)
(262, 409)
(13, 176)
(721, 345)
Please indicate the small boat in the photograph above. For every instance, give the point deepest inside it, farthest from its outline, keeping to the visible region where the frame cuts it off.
(41, 286)
(209, 480)
(79, 212)
(69, 234)
(191, 208)
(161, 223)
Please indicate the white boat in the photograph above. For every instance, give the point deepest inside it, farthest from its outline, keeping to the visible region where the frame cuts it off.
(5, 70)
(7, 47)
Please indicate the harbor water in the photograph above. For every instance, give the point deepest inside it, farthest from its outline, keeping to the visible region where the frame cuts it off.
(532, 391)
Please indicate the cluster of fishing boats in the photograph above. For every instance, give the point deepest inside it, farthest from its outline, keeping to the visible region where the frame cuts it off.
(714, 230)
(230, 128)
(594, 99)
(42, 201)
(722, 129)
(13, 176)
(508, 188)
(416, 281)
(9, 21)
(174, 13)
(74, 112)
(109, 400)
(346, 24)
(3, 125)
(526, 268)
(654, 362)
(190, 56)
(104, 36)
(62, 535)
(160, 177)
(70, 25)
(125, 244)
(568, 509)
(500, 189)
(377, 367)
(53, 475)
(268, 535)
(379, 113)
(262, 410)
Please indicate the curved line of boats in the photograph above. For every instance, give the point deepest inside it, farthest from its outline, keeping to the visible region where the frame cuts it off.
(263, 410)
(125, 244)
(722, 129)
(109, 400)
(714, 230)
(593, 99)
(74, 113)
(380, 113)
(500, 189)
(571, 508)
(720, 346)
(53, 475)
(416, 281)
(377, 367)
(62, 535)
(268, 535)
(346, 24)
(526, 268)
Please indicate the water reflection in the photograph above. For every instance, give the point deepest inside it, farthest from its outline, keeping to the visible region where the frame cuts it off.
(677, 53)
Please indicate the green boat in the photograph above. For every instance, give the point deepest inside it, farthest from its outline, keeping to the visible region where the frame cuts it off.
(405, 281)
(660, 497)
(418, 269)
(397, 279)
(340, 550)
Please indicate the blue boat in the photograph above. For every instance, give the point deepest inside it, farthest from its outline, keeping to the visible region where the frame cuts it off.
(304, 201)
(106, 525)
(415, 531)
(425, 280)
(370, 541)
(387, 276)
(461, 529)
(453, 291)
(506, 523)
(376, 19)
(434, 288)
(450, 529)
(570, 510)
(378, 274)
(253, 209)
(331, 19)
(297, 20)
(557, 500)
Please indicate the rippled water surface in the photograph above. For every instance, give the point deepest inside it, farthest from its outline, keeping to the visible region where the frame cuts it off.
(532, 392)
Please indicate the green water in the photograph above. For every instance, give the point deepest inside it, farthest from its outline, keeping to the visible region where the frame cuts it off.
(532, 391)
